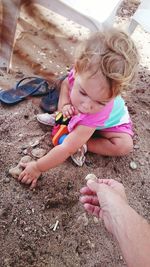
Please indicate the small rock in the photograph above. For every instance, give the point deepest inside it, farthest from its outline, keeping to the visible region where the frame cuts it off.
(35, 143)
(91, 176)
(82, 219)
(33, 210)
(15, 172)
(133, 165)
(24, 147)
(96, 220)
(25, 151)
(6, 180)
(28, 212)
(25, 159)
(27, 228)
(142, 162)
(38, 152)
(91, 245)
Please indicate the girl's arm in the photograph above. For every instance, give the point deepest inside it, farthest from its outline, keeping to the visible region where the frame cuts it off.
(64, 97)
(70, 145)
(56, 156)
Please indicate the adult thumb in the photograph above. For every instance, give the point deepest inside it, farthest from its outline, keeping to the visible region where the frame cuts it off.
(95, 186)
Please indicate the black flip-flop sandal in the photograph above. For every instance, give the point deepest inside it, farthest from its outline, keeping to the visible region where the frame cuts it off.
(36, 86)
(49, 103)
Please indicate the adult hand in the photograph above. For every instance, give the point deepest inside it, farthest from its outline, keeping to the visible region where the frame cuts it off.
(30, 174)
(104, 199)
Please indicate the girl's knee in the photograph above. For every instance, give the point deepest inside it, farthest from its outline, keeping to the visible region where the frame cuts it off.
(124, 146)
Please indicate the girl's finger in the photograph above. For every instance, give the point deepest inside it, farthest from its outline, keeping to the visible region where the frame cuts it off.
(22, 174)
(29, 181)
(33, 184)
(24, 179)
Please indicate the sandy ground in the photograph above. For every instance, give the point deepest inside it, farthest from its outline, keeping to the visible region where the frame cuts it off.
(45, 47)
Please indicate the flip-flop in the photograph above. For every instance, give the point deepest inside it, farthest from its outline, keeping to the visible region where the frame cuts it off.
(36, 86)
(49, 102)
(43, 89)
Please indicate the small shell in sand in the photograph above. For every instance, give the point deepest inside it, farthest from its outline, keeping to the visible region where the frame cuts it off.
(91, 176)
(15, 172)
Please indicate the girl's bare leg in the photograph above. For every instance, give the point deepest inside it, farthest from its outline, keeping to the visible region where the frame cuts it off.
(111, 144)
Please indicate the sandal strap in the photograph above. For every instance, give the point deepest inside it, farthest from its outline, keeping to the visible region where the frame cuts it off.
(29, 78)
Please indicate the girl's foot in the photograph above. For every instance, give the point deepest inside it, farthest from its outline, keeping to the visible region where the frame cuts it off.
(46, 118)
(79, 157)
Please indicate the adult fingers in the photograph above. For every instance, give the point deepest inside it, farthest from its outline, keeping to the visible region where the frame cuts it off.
(95, 186)
(86, 191)
(89, 199)
(94, 210)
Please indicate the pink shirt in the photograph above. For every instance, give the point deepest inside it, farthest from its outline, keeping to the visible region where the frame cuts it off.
(113, 115)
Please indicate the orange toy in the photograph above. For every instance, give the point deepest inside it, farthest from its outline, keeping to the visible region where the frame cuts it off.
(63, 130)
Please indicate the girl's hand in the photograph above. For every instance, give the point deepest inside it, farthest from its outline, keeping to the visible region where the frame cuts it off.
(68, 111)
(30, 174)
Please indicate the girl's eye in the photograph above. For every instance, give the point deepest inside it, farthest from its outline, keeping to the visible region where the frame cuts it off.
(82, 93)
(101, 103)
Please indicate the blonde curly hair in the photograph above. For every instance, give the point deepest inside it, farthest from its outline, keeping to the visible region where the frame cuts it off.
(113, 53)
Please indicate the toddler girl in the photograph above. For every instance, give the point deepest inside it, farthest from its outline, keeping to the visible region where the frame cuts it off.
(104, 65)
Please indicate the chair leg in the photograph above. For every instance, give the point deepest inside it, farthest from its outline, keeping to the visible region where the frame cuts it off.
(11, 9)
(133, 24)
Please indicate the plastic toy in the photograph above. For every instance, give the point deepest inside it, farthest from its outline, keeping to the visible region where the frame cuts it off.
(60, 130)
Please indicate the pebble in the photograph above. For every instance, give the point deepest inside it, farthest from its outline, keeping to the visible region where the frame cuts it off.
(82, 219)
(27, 228)
(28, 212)
(142, 162)
(96, 220)
(133, 165)
(35, 143)
(91, 245)
(38, 152)
(91, 176)
(33, 210)
(7, 180)
(25, 159)
(15, 172)
(25, 151)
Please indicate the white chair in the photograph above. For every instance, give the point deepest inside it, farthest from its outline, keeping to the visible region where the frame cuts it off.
(92, 14)
(141, 16)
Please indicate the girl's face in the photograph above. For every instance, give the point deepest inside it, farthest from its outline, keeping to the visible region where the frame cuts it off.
(90, 94)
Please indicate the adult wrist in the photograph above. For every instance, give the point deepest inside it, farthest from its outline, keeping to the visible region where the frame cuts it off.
(120, 220)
